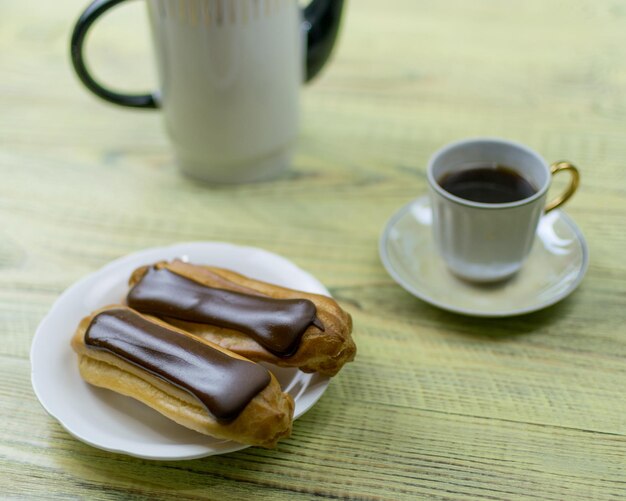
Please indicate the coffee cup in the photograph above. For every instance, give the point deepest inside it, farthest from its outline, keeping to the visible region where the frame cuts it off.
(487, 196)
(230, 72)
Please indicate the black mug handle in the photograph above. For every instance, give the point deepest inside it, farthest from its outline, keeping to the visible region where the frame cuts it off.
(87, 18)
(321, 22)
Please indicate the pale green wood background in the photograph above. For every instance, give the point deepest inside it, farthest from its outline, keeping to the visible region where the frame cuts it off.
(436, 406)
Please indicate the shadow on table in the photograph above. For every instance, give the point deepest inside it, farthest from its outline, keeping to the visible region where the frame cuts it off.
(238, 474)
(494, 329)
(388, 302)
(289, 175)
(111, 473)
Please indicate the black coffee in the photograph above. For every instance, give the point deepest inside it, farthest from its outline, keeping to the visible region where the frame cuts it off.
(489, 184)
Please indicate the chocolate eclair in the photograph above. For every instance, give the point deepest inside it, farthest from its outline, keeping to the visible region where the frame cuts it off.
(258, 320)
(194, 382)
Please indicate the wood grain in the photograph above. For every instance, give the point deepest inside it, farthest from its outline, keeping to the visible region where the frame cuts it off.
(436, 406)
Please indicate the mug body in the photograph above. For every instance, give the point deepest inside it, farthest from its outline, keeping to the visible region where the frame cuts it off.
(230, 74)
(486, 242)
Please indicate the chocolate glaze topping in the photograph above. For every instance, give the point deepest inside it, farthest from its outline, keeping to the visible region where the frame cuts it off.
(225, 385)
(276, 324)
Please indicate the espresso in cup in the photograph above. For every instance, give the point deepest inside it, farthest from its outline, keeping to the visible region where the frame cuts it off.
(489, 184)
(487, 196)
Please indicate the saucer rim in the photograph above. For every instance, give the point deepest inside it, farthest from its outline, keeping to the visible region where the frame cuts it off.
(399, 279)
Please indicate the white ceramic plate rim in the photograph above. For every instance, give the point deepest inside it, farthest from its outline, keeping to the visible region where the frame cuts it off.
(312, 390)
(384, 257)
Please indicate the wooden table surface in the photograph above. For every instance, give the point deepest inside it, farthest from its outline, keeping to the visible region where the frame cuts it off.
(436, 406)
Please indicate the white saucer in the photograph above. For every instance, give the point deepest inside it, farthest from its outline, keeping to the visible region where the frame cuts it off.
(116, 423)
(556, 265)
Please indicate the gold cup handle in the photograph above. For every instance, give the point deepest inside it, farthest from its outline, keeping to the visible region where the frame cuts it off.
(572, 187)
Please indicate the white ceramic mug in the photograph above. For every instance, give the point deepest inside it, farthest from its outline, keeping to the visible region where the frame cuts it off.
(487, 242)
(230, 73)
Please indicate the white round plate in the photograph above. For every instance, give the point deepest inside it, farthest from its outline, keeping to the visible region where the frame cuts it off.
(556, 265)
(117, 423)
